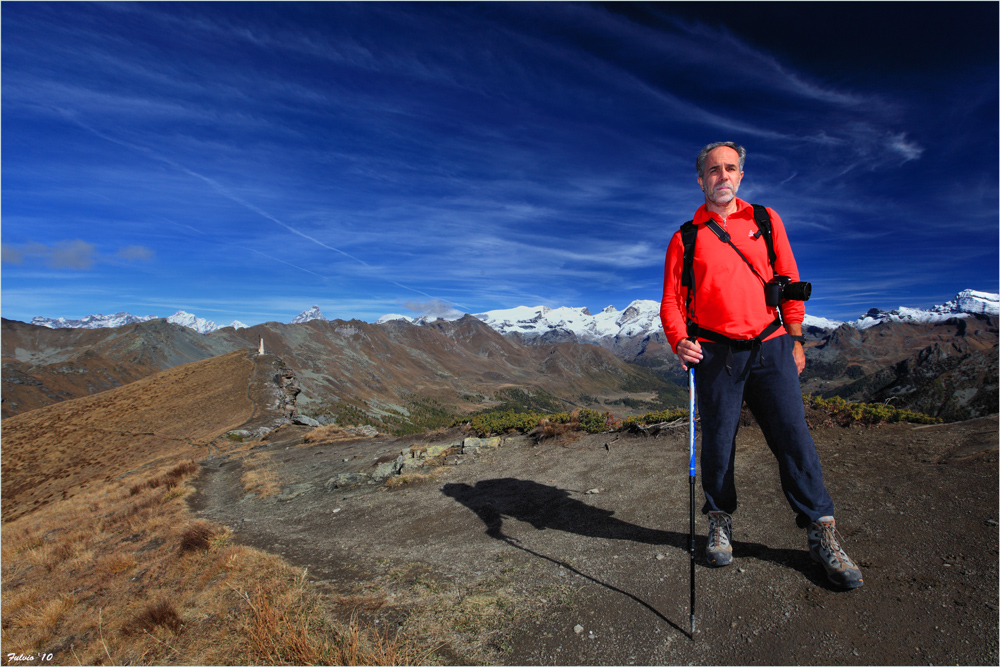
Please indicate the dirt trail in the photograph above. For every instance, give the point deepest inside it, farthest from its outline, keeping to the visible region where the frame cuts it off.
(577, 554)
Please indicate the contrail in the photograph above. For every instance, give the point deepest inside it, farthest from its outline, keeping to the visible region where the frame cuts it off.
(222, 190)
(275, 259)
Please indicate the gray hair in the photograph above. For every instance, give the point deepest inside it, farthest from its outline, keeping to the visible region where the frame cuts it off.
(700, 162)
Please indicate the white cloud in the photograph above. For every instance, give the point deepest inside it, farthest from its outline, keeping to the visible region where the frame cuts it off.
(908, 149)
(134, 253)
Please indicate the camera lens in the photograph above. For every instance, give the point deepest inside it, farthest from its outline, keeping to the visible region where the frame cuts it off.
(797, 291)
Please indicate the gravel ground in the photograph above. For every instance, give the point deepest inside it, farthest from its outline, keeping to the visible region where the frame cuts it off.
(575, 553)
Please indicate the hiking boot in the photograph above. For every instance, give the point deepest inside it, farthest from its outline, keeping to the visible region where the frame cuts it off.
(824, 548)
(720, 531)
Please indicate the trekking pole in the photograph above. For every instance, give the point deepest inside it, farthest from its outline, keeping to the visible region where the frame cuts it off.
(691, 475)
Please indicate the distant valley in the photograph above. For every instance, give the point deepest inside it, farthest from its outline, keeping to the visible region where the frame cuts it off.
(942, 361)
(386, 371)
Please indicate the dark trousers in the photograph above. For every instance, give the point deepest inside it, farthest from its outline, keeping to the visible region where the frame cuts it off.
(769, 382)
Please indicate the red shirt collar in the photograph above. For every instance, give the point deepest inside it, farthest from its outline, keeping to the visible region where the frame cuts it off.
(743, 210)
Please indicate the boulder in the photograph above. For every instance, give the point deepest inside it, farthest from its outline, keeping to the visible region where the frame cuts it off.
(411, 465)
(472, 445)
(433, 451)
(346, 479)
(386, 470)
(302, 420)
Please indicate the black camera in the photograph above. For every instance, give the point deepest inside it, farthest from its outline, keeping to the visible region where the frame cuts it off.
(781, 288)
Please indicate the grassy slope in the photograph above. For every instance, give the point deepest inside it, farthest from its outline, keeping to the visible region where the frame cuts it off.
(102, 560)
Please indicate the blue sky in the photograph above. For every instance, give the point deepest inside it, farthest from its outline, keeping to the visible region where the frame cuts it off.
(246, 161)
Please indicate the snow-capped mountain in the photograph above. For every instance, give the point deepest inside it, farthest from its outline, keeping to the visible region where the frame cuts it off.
(308, 315)
(640, 317)
(190, 321)
(422, 319)
(967, 302)
(92, 321)
(201, 325)
(124, 319)
(819, 323)
(391, 317)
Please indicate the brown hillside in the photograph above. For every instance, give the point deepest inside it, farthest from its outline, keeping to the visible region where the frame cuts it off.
(847, 353)
(391, 364)
(42, 366)
(377, 368)
(57, 450)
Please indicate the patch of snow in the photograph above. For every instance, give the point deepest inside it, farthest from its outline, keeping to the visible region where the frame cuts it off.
(392, 317)
(820, 322)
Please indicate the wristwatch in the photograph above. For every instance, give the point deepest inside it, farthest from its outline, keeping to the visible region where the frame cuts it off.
(798, 339)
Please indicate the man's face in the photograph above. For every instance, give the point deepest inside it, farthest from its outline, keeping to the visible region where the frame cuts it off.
(722, 176)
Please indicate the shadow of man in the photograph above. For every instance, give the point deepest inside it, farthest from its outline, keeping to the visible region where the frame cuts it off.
(548, 507)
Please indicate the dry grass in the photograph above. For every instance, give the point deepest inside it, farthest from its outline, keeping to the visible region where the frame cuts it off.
(59, 451)
(562, 434)
(259, 476)
(120, 574)
(103, 563)
(158, 614)
(328, 433)
(197, 536)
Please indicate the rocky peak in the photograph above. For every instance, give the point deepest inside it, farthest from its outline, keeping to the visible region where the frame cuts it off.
(308, 315)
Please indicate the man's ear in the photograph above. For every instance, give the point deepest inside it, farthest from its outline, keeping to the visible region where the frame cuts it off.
(700, 184)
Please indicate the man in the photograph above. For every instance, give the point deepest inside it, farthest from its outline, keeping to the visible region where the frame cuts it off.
(742, 350)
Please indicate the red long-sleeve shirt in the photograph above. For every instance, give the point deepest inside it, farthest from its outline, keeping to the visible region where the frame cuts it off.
(728, 297)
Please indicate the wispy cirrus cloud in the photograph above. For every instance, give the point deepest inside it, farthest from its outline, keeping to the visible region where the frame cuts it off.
(539, 153)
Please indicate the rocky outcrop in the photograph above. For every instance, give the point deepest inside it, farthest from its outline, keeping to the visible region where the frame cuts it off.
(302, 420)
(414, 460)
(951, 381)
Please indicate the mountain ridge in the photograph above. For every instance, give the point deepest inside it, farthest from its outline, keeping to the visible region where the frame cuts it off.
(938, 361)
(640, 317)
(342, 366)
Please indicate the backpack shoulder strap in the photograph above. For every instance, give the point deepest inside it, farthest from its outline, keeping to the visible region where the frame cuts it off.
(689, 234)
(763, 220)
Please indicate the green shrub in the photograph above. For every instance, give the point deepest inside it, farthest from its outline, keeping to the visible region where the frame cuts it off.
(655, 418)
(845, 413)
(495, 422)
(593, 421)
